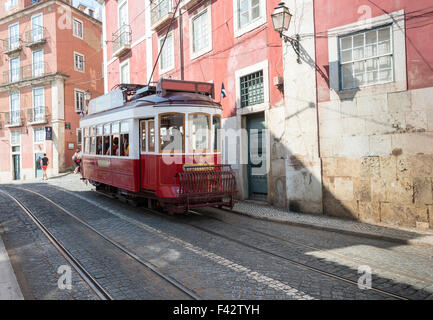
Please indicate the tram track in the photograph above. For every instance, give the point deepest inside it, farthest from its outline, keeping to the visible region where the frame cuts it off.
(95, 286)
(291, 261)
(276, 255)
(359, 261)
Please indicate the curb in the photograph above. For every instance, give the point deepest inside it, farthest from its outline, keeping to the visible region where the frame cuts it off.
(336, 230)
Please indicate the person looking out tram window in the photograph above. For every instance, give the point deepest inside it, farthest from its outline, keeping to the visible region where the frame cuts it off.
(125, 145)
(115, 147)
(107, 146)
(98, 145)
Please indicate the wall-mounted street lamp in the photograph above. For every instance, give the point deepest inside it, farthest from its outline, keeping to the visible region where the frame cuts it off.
(281, 18)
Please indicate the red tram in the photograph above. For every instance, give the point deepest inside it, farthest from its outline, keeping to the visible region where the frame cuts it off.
(158, 143)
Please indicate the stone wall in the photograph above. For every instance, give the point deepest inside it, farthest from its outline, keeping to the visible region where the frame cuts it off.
(377, 155)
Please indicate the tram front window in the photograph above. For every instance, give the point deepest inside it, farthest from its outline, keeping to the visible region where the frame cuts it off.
(199, 132)
(216, 129)
(171, 133)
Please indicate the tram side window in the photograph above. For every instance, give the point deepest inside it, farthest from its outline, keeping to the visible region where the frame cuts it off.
(124, 139)
(199, 132)
(151, 135)
(99, 139)
(171, 133)
(115, 138)
(143, 135)
(92, 141)
(86, 147)
(216, 121)
(107, 138)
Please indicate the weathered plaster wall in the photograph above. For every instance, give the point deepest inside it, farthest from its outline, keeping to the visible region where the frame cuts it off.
(300, 143)
(378, 164)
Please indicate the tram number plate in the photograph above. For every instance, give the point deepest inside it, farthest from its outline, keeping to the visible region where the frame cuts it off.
(198, 167)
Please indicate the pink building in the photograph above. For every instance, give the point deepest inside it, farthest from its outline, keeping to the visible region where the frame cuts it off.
(230, 42)
(51, 60)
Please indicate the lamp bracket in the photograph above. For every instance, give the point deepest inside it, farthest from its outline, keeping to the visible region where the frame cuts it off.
(295, 44)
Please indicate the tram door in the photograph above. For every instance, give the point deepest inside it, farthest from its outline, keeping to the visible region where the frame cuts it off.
(148, 155)
(257, 174)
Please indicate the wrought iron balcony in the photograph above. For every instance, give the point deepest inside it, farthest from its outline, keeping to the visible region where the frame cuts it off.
(12, 45)
(121, 40)
(161, 14)
(35, 37)
(37, 115)
(187, 4)
(28, 72)
(13, 119)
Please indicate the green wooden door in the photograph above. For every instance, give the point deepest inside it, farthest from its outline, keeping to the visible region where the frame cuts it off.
(257, 174)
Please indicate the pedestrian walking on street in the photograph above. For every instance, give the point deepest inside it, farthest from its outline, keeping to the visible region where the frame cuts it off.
(77, 161)
(44, 165)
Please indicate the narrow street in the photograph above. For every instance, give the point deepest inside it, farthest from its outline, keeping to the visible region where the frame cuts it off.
(136, 253)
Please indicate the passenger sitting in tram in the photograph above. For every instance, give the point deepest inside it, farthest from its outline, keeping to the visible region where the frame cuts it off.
(99, 145)
(126, 145)
(116, 146)
(107, 146)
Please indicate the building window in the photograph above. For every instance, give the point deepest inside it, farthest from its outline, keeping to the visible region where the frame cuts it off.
(14, 36)
(38, 63)
(78, 61)
(39, 135)
(252, 91)
(77, 28)
(15, 117)
(14, 65)
(249, 10)
(366, 58)
(79, 101)
(201, 33)
(91, 13)
(15, 138)
(124, 72)
(166, 61)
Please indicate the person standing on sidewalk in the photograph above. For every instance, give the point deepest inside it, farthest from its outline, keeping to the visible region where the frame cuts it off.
(77, 161)
(44, 165)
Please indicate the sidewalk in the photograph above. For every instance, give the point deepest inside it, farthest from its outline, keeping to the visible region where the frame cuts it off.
(327, 223)
(9, 288)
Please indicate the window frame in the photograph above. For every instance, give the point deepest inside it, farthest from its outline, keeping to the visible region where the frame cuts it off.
(214, 136)
(75, 99)
(209, 142)
(73, 28)
(204, 11)
(121, 65)
(83, 63)
(159, 133)
(173, 62)
(240, 30)
(35, 135)
(377, 56)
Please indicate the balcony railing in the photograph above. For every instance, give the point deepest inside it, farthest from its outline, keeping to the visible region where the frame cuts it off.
(13, 119)
(161, 14)
(35, 37)
(186, 4)
(25, 73)
(121, 40)
(37, 115)
(11, 45)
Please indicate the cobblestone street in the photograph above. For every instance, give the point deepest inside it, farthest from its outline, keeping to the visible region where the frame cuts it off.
(137, 253)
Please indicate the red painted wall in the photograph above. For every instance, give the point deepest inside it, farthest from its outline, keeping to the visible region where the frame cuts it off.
(419, 52)
(219, 65)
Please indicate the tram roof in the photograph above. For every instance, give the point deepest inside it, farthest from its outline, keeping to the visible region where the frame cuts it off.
(170, 98)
